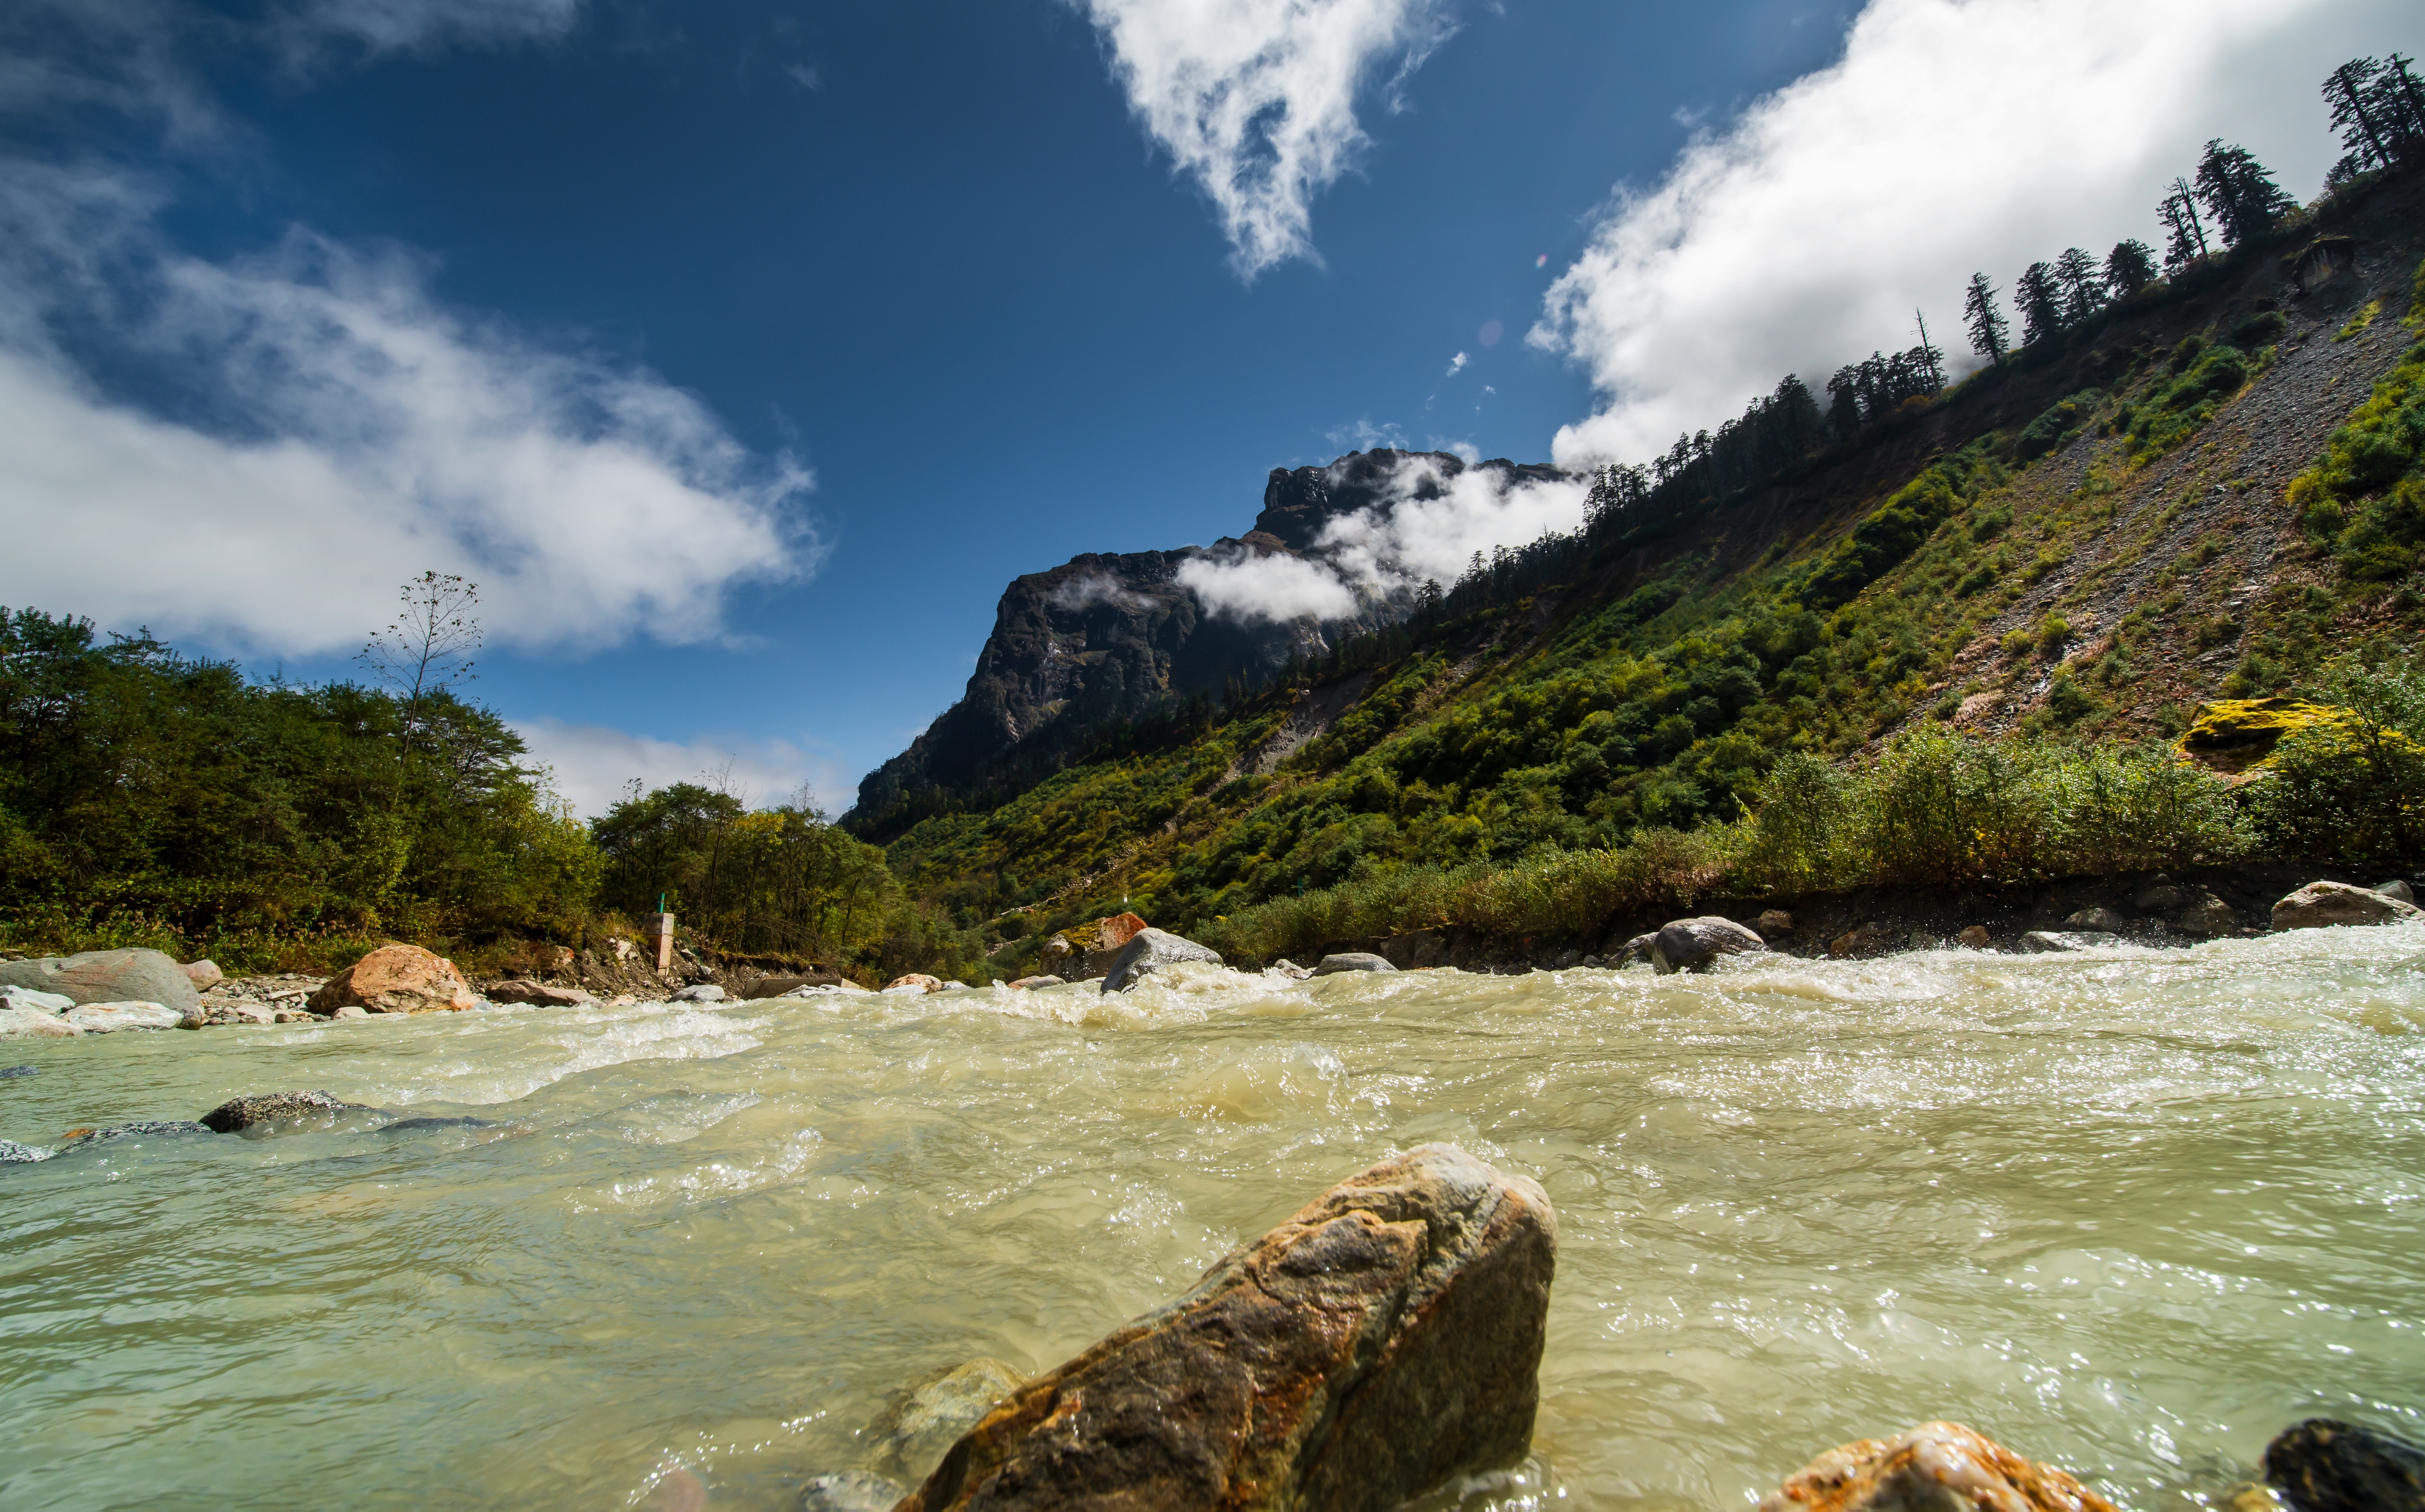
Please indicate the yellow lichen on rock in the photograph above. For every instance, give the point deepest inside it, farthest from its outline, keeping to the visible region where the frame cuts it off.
(2235, 734)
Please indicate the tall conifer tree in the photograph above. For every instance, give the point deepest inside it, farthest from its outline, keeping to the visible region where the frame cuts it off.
(1986, 323)
(2040, 302)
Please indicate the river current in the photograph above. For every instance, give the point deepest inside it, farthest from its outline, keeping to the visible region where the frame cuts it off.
(2130, 1211)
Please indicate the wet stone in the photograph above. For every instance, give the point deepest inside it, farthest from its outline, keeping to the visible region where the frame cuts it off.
(1693, 944)
(6, 1071)
(915, 1432)
(1150, 951)
(12, 1153)
(851, 1491)
(2326, 1466)
(2061, 942)
(1937, 1467)
(240, 1113)
(143, 1129)
(1353, 960)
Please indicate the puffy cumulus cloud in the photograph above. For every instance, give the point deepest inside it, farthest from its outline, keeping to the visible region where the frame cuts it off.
(593, 766)
(1953, 136)
(320, 428)
(1428, 528)
(1249, 585)
(1255, 100)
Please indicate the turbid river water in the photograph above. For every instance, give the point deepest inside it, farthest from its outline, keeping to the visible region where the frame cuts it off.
(2130, 1211)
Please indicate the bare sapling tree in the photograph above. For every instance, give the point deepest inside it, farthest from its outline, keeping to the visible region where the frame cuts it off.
(428, 649)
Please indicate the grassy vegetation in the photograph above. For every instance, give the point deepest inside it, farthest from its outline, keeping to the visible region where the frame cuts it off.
(2364, 500)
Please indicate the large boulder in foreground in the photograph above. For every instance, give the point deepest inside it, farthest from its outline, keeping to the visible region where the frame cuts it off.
(1939, 1467)
(1693, 944)
(108, 976)
(1086, 951)
(396, 978)
(2323, 904)
(1150, 951)
(1385, 1338)
(2323, 1466)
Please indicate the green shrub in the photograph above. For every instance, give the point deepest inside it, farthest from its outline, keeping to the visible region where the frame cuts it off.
(2257, 329)
(2058, 423)
(2364, 499)
(2174, 411)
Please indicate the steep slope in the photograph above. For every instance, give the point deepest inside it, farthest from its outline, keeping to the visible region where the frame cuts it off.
(1105, 639)
(2084, 542)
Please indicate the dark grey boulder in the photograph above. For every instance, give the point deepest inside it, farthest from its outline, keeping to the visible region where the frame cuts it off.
(1150, 951)
(1637, 949)
(1351, 961)
(11, 1152)
(1693, 944)
(851, 1491)
(6, 1071)
(2098, 917)
(142, 1129)
(108, 976)
(240, 1113)
(2324, 1466)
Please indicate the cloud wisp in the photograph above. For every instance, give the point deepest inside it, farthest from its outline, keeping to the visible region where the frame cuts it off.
(593, 765)
(1953, 135)
(1428, 527)
(1255, 100)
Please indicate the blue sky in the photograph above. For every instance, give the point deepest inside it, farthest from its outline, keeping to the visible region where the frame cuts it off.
(744, 351)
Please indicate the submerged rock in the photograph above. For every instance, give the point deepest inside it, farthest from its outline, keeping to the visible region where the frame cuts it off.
(851, 1491)
(108, 976)
(2324, 1466)
(2056, 942)
(240, 1113)
(7, 1071)
(1351, 961)
(1937, 1467)
(2324, 904)
(1693, 944)
(108, 1018)
(1385, 1338)
(1150, 951)
(916, 981)
(12, 1153)
(913, 1434)
(142, 1129)
(396, 978)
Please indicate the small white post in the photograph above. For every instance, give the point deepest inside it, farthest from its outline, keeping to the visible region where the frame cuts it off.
(660, 926)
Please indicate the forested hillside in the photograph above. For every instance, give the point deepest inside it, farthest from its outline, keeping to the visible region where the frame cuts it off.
(2175, 488)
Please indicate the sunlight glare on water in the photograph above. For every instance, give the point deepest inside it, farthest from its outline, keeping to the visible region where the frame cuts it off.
(2129, 1211)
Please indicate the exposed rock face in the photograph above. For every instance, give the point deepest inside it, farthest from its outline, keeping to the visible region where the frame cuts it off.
(914, 1433)
(108, 976)
(2323, 904)
(1351, 961)
(396, 978)
(1693, 944)
(1150, 951)
(238, 1114)
(1937, 1467)
(1106, 638)
(1383, 1340)
(2324, 1466)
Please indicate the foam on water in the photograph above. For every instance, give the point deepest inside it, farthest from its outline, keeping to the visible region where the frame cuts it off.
(2129, 1210)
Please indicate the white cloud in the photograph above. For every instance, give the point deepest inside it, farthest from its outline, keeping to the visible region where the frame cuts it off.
(1090, 588)
(399, 26)
(1255, 100)
(1429, 527)
(1954, 135)
(592, 764)
(322, 429)
(1247, 585)
(1455, 365)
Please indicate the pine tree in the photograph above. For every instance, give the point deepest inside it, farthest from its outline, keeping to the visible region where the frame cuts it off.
(2242, 196)
(2129, 267)
(2040, 302)
(1984, 322)
(2347, 91)
(2083, 287)
(1844, 408)
(1930, 360)
(2180, 216)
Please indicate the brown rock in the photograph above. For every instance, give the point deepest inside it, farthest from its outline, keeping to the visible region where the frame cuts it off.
(537, 994)
(918, 980)
(2321, 905)
(1693, 943)
(396, 978)
(777, 986)
(1940, 1467)
(1976, 937)
(1869, 939)
(205, 974)
(1029, 983)
(1775, 924)
(1086, 951)
(1385, 1338)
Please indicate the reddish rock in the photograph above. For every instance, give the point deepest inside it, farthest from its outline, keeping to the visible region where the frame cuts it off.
(1941, 1465)
(396, 978)
(1384, 1339)
(1086, 951)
